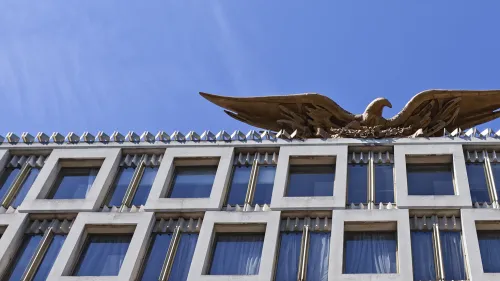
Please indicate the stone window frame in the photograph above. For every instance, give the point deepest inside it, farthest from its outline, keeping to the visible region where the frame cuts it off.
(379, 218)
(280, 202)
(461, 199)
(470, 218)
(224, 222)
(49, 173)
(156, 200)
(11, 237)
(99, 223)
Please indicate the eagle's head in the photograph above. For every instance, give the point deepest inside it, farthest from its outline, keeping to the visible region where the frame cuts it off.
(376, 106)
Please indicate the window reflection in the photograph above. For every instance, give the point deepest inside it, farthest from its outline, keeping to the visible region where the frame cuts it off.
(6, 179)
(73, 183)
(477, 183)
(142, 192)
(25, 187)
(310, 180)
(426, 179)
(193, 182)
(384, 184)
(264, 185)
(120, 186)
(239, 185)
(357, 181)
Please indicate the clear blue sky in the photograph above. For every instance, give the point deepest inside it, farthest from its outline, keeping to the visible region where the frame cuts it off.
(139, 65)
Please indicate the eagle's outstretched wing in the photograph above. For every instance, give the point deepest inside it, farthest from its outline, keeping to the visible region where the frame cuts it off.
(435, 110)
(302, 112)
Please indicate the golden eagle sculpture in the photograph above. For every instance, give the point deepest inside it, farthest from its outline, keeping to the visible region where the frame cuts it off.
(312, 115)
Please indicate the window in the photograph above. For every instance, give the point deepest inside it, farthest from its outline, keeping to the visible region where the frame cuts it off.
(430, 179)
(432, 238)
(102, 255)
(73, 183)
(483, 173)
(178, 240)
(236, 254)
(489, 246)
(38, 251)
(479, 190)
(17, 178)
(192, 182)
(310, 180)
(370, 252)
(303, 251)
(252, 180)
(134, 180)
(370, 180)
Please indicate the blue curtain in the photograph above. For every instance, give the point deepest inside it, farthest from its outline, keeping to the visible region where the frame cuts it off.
(142, 192)
(6, 179)
(370, 252)
(288, 259)
(310, 180)
(422, 251)
(495, 168)
(49, 258)
(264, 186)
(23, 256)
(384, 184)
(424, 179)
(120, 186)
(319, 252)
(183, 257)
(489, 246)
(193, 182)
(156, 256)
(357, 184)
(25, 187)
(103, 255)
(453, 256)
(239, 185)
(477, 183)
(237, 254)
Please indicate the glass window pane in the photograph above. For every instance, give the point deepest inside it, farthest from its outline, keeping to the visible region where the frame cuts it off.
(435, 179)
(237, 254)
(319, 252)
(183, 257)
(193, 182)
(142, 192)
(489, 246)
(311, 180)
(384, 184)
(120, 185)
(103, 255)
(495, 168)
(453, 256)
(357, 189)
(49, 258)
(156, 256)
(73, 183)
(477, 183)
(239, 185)
(23, 256)
(6, 179)
(25, 187)
(422, 251)
(288, 259)
(264, 186)
(370, 252)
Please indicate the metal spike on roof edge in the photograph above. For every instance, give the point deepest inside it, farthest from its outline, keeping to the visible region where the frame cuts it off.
(192, 136)
(103, 137)
(178, 136)
(497, 134)
(268, 135)
(486, 133)
(446, 133)
(147, 137)
(320, 132)
(208, 136)
(162, 136)
(456, 132)
(132, 137)
(283, 134)
(87, 137)
(57, 138)
(42, 137)
(470, 133)
(238, 136)
(72, 138)
(117, 137)
(253, 135)
(223, 136)
(27, 138)
(12, 138)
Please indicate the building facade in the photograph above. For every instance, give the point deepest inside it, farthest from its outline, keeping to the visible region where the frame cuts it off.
(253, 206)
